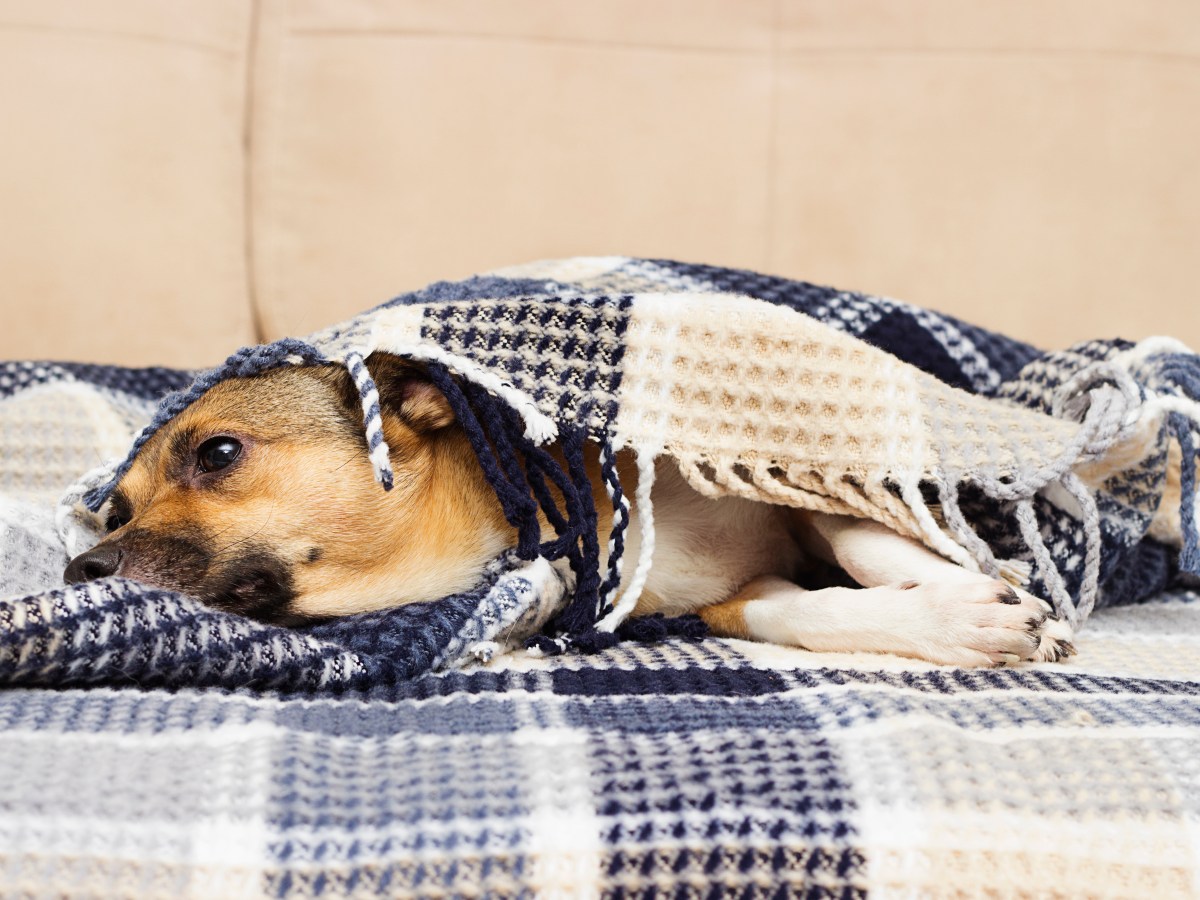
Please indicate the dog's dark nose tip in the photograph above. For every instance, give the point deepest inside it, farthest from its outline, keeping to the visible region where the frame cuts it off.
(95, 563)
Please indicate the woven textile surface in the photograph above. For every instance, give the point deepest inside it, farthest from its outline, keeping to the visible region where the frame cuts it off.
(683, 769)
(155, 747)
(1045, 467)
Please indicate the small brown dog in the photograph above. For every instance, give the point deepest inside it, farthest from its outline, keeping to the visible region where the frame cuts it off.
(260, 499)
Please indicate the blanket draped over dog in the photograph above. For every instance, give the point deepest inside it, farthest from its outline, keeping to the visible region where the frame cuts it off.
(1072, 472)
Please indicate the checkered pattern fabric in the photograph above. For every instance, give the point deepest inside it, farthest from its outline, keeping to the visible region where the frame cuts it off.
(683, 769)
(778, 390)
(154, 747)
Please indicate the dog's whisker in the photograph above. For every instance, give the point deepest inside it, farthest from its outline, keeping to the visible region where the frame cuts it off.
(346, 463)
(249, 537)
(222, 531)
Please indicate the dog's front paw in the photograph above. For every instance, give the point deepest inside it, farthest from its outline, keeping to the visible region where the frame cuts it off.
(1053, 634)
(989, 623)
(1055, 640)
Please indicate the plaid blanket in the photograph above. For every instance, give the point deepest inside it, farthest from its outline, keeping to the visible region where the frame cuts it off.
(401, 752)
(683, 769)
(1041, 467)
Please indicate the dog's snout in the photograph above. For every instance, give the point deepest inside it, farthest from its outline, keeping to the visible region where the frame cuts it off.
(98, 562)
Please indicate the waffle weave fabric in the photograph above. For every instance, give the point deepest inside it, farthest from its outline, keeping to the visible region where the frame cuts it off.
(702, 769)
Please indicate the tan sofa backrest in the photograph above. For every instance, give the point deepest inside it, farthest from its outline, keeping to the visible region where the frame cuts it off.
(183, 177)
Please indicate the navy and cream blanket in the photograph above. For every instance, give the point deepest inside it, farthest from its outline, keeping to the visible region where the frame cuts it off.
(682, 769)
(153, 746)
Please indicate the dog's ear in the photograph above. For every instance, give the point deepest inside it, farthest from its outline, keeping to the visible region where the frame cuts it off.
(406, 390)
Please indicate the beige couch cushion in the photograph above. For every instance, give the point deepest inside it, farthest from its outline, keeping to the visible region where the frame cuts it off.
(400, 143)
(1030, 165)
(122, 180)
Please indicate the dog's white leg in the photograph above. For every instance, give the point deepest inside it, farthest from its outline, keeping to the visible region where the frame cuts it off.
(874, 555)
(912, 602)
(953, 624)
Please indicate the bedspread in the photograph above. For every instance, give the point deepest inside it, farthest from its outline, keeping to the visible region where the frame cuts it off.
(686, 769)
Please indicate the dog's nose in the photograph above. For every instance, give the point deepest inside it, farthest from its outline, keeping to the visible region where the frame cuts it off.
(95, 563)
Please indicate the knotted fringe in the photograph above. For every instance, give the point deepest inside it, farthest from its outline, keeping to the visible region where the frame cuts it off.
(245, 362)
(1111, 396)
(616, 541)
(1181, 369)
(524, 476)
(368, 393)
(624, 608)
(522, 473)
(646, 629)
(1115, 401)
(1185, 430)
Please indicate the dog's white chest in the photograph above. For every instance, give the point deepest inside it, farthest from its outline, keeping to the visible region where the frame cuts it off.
(705, 549)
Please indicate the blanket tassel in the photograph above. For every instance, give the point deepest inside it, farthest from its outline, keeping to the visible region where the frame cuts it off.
(1189, 554)
(522, 474)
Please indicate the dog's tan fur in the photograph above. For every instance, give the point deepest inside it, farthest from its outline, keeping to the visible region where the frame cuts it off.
(296, 528)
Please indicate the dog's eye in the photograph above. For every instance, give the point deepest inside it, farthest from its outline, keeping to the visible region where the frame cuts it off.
(217, 453)
(113, 522)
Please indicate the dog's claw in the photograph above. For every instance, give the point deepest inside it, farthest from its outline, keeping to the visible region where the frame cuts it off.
(1009, 596)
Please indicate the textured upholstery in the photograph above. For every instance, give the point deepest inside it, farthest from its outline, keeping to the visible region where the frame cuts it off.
(184, 176)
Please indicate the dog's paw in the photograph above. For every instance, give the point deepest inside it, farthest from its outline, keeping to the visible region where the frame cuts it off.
(1055, 644)
(1054, 635)
(988, 623)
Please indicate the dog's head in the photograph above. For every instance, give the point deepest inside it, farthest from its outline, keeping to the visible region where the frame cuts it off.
(260, 499)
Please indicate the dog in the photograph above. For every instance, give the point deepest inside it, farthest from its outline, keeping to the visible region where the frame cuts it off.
(260, 499)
